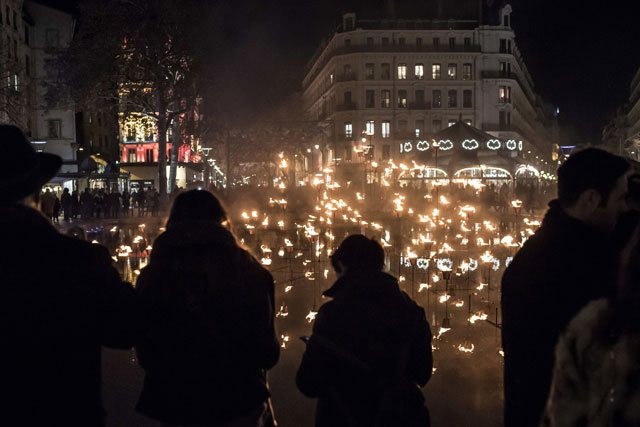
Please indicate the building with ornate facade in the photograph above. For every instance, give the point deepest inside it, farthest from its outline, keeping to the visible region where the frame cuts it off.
(388, 82)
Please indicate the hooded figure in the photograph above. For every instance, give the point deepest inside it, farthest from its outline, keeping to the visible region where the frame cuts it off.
(61, 301)
(209, 307)
(371, 319)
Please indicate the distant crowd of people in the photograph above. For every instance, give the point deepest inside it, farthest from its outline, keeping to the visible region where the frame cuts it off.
(99, 203)
(202, 316)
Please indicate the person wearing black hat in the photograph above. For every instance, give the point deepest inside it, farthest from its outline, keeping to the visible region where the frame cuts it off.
(61, 300)
(371, 331)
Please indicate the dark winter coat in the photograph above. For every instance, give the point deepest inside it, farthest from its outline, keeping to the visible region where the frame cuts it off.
(211, 337)
(371, 318)
(557, 272)
(61, 300)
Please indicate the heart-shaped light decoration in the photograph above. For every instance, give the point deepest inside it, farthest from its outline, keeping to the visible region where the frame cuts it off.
(493, 144)
(470, 144)
(445, 145)
(422, 145)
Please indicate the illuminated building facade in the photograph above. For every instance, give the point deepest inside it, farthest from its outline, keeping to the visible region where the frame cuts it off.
(400, 81)
(138, 153)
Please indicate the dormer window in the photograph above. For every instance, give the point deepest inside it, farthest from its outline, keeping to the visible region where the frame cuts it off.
(505, 13)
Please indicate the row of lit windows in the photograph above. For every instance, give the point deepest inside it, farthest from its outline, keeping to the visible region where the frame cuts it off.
(402, 72)
(385, 127)
(419, 97)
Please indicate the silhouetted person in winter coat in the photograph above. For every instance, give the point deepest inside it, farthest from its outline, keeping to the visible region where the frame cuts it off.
(67, 203)
(61, 301)
(568, 262)
(209, 310)
(370, 318)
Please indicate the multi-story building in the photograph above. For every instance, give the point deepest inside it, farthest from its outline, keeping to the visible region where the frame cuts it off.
(16, 65)
(138, 136)
(52, 126)
(399, 80)
(632, 145)
(97, 132)
(621, 135)
(30, 33)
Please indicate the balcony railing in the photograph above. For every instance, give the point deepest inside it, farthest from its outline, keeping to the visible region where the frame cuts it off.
(346, 77)
(420, 105)
(364, 48)
(347, 107)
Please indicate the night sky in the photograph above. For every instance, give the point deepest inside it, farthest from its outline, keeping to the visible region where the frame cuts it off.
(582, 55)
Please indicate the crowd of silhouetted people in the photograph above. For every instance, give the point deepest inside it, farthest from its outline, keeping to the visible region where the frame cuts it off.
(202, 315)
(100, 203)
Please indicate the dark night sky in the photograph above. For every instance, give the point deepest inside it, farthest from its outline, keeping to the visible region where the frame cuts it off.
(582, 55)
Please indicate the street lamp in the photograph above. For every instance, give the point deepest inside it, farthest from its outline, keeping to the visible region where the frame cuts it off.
(446, 275)
(436, 147)
(517, 207)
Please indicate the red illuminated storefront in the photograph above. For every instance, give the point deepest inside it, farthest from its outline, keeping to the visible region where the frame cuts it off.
(147, 152)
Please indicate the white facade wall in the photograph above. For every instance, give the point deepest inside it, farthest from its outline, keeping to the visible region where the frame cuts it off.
(56, 127)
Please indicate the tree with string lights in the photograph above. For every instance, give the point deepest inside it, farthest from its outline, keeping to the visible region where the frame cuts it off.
(144, 57)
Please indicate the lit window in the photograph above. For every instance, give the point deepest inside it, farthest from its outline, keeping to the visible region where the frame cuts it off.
(402, 99)
(348, 129)
(502, 94)
(402, 71)
(386, 128)
(370, 127)
(452, 72)
(419, 127)
(435, 71)
(386, 98)
(419, 71)
(467, 72)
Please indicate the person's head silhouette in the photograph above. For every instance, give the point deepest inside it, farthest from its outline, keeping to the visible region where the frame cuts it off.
(24, 171)
(357, 253)
(196, 205)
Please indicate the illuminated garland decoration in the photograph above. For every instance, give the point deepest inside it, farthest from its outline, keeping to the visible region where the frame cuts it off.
(496, 264)
(137, 127)
(473, 264)
(445, 264)
(520, 145)
(508, 261)
(422, 263)
(406, 147)
(493, 144)
(511, 144)
(470, 144)
(445, 145)
(422, 146)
